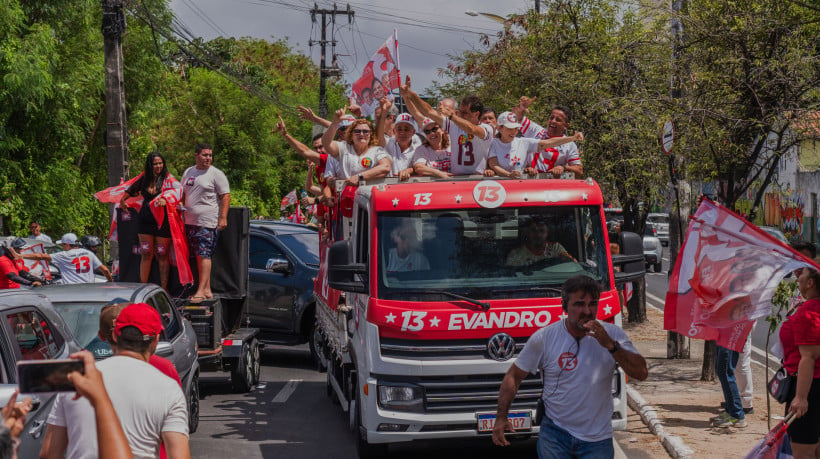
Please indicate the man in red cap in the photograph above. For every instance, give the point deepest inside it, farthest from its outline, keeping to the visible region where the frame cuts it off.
(150, 405)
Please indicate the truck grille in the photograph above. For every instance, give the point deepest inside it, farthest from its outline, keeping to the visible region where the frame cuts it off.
(440, 349)
(453, 394)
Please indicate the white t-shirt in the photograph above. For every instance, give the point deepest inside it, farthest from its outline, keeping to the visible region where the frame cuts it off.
(351, 164)
(469, 153)
(414, 261)
(42, 237)
(577, 377)
(515, 155)
(331, 168)
(147, 403)
(543, 161)
(76, 265)
(435, 159)
(401, 160)
(202, 191)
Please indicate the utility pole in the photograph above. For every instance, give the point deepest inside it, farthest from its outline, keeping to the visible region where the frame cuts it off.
(324, 70)
(116, 134)
(677, 345)
(538, 6)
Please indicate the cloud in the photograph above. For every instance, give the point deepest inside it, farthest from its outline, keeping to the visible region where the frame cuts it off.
(438, 31)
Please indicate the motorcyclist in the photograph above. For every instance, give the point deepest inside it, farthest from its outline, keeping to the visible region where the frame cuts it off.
(11, 275)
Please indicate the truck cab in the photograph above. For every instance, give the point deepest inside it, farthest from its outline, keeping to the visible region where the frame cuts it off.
(443, 282)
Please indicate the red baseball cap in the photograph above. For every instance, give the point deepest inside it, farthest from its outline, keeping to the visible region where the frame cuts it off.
(142, 316)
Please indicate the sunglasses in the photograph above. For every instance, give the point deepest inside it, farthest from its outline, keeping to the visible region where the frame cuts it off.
(361, 131)
(431, 130)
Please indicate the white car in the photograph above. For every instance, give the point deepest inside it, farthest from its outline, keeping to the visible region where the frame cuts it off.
(652, 248)
(661, 222)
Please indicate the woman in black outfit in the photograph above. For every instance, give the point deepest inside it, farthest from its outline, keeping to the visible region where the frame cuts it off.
(154, 239)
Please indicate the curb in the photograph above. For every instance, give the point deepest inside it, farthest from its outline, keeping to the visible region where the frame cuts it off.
(673, 444)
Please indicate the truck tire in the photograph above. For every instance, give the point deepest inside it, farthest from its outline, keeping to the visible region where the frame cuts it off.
(193, 405)
(363, 448)
(257, 362)
(242, 371)
(317, 347)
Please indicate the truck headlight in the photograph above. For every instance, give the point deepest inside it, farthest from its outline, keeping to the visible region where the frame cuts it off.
(401, 397)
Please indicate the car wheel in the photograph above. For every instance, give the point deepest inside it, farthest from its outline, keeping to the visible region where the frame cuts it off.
(658, 266)
(317, 345)
(193, 405)
(242, 371)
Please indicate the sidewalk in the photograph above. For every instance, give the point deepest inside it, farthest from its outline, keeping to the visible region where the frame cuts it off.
(677, 404)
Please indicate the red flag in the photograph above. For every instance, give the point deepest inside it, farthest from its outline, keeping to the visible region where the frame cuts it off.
(289, 199)
(380, 76)
(725, 276)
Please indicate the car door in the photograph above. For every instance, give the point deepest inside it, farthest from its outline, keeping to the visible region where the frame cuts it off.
(270, 294)
(29, 336)
(182, 350)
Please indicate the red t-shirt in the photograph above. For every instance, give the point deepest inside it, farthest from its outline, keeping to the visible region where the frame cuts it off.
(320, 169)
(7, 266)
(166, 366)
(801, 329)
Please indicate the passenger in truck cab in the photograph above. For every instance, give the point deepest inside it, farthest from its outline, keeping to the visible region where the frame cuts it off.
(535, 246)
(510, 156)
(405, 256)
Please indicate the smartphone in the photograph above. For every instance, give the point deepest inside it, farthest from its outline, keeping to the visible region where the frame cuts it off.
(47, 375)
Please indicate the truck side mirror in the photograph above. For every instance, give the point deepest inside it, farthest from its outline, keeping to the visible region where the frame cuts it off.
(277, 265)
(631, 260)
(342, 272)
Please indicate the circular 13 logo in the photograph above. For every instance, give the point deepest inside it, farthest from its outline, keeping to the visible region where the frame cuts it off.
(489, 194)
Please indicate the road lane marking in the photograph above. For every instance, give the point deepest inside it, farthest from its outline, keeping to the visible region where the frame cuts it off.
(286, 391)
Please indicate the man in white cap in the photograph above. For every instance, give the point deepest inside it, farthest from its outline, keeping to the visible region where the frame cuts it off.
(402, 146)
(76, 264)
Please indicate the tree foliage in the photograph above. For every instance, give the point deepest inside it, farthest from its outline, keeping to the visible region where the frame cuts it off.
(52, 110)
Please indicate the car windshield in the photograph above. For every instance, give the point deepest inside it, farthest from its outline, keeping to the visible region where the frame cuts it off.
(83, 319)
(304, 245)
(489, 253)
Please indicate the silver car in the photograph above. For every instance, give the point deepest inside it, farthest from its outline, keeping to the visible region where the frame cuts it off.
(652, 248)
(30, 329)
(661, 222)
(80, 306)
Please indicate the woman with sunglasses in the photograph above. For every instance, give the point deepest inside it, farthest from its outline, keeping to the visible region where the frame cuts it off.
(509, 155)
(360, 157)
(433, 156)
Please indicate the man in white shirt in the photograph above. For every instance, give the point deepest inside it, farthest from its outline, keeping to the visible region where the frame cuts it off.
(149, 404)
(34, 227)
(76, 264)
(206, 195)
(576, 358)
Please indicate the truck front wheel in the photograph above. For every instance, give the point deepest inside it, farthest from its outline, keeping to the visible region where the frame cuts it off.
(317, 347)
(242, 373)
(366, 450)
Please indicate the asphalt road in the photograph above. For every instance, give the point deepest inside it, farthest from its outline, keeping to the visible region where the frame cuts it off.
(290, 416)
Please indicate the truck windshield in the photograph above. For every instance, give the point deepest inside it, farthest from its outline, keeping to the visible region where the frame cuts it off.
(489, 253)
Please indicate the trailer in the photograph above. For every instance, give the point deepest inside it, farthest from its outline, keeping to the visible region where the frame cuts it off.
(224, 341)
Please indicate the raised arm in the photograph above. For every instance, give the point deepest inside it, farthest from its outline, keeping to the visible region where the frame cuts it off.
(556, 141)
(327, 138)
(423, 108)
(300, 148)
(309, 186)
(308, 115)
(384, 108)
(414, 112)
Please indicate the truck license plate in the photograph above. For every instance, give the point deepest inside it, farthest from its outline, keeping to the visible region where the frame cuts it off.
(521, 420)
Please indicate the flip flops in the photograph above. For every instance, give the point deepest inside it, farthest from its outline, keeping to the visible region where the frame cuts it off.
(196, 299)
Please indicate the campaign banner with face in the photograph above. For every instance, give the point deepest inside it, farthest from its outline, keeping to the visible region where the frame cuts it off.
(380, 76)
(725, 276)
(289, 200)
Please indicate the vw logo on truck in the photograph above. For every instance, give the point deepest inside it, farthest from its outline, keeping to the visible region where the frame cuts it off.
(501, 347)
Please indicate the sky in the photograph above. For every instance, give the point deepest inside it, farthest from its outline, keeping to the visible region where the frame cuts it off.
(428, 32)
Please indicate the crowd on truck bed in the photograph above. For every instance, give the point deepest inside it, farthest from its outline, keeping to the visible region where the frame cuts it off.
(450, 140)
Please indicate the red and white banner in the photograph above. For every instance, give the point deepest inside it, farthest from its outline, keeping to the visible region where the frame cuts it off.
(289, 200)
(380, 76)
(725, 276)
(37, 268)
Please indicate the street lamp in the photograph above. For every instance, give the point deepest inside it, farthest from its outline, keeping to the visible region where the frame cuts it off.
(494, 17)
